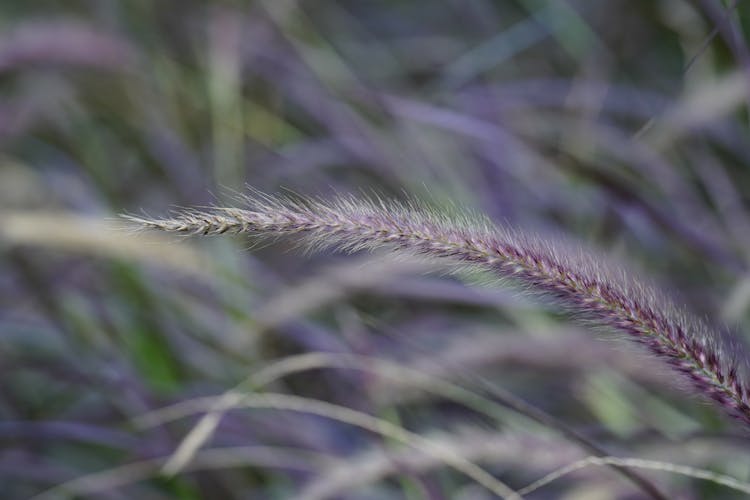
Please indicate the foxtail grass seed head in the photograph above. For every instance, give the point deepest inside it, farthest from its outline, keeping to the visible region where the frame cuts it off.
(578, 281)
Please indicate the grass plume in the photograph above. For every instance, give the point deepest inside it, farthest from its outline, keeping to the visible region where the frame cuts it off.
(579, 281)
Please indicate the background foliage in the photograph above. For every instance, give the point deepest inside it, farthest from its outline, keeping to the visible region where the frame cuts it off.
(620, 124)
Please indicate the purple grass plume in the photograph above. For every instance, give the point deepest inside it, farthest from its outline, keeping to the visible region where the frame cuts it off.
(579, 281)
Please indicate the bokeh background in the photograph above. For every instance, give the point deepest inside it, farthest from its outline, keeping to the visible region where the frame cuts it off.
(620, 124)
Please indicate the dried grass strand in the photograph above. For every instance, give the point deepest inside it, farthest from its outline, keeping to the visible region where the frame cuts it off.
(639, 463)
(285, 402)
(398, 374)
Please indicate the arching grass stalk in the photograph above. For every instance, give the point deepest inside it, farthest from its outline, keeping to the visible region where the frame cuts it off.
(578, 281)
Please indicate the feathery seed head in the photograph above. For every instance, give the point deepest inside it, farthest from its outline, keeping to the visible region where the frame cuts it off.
(602, 294)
